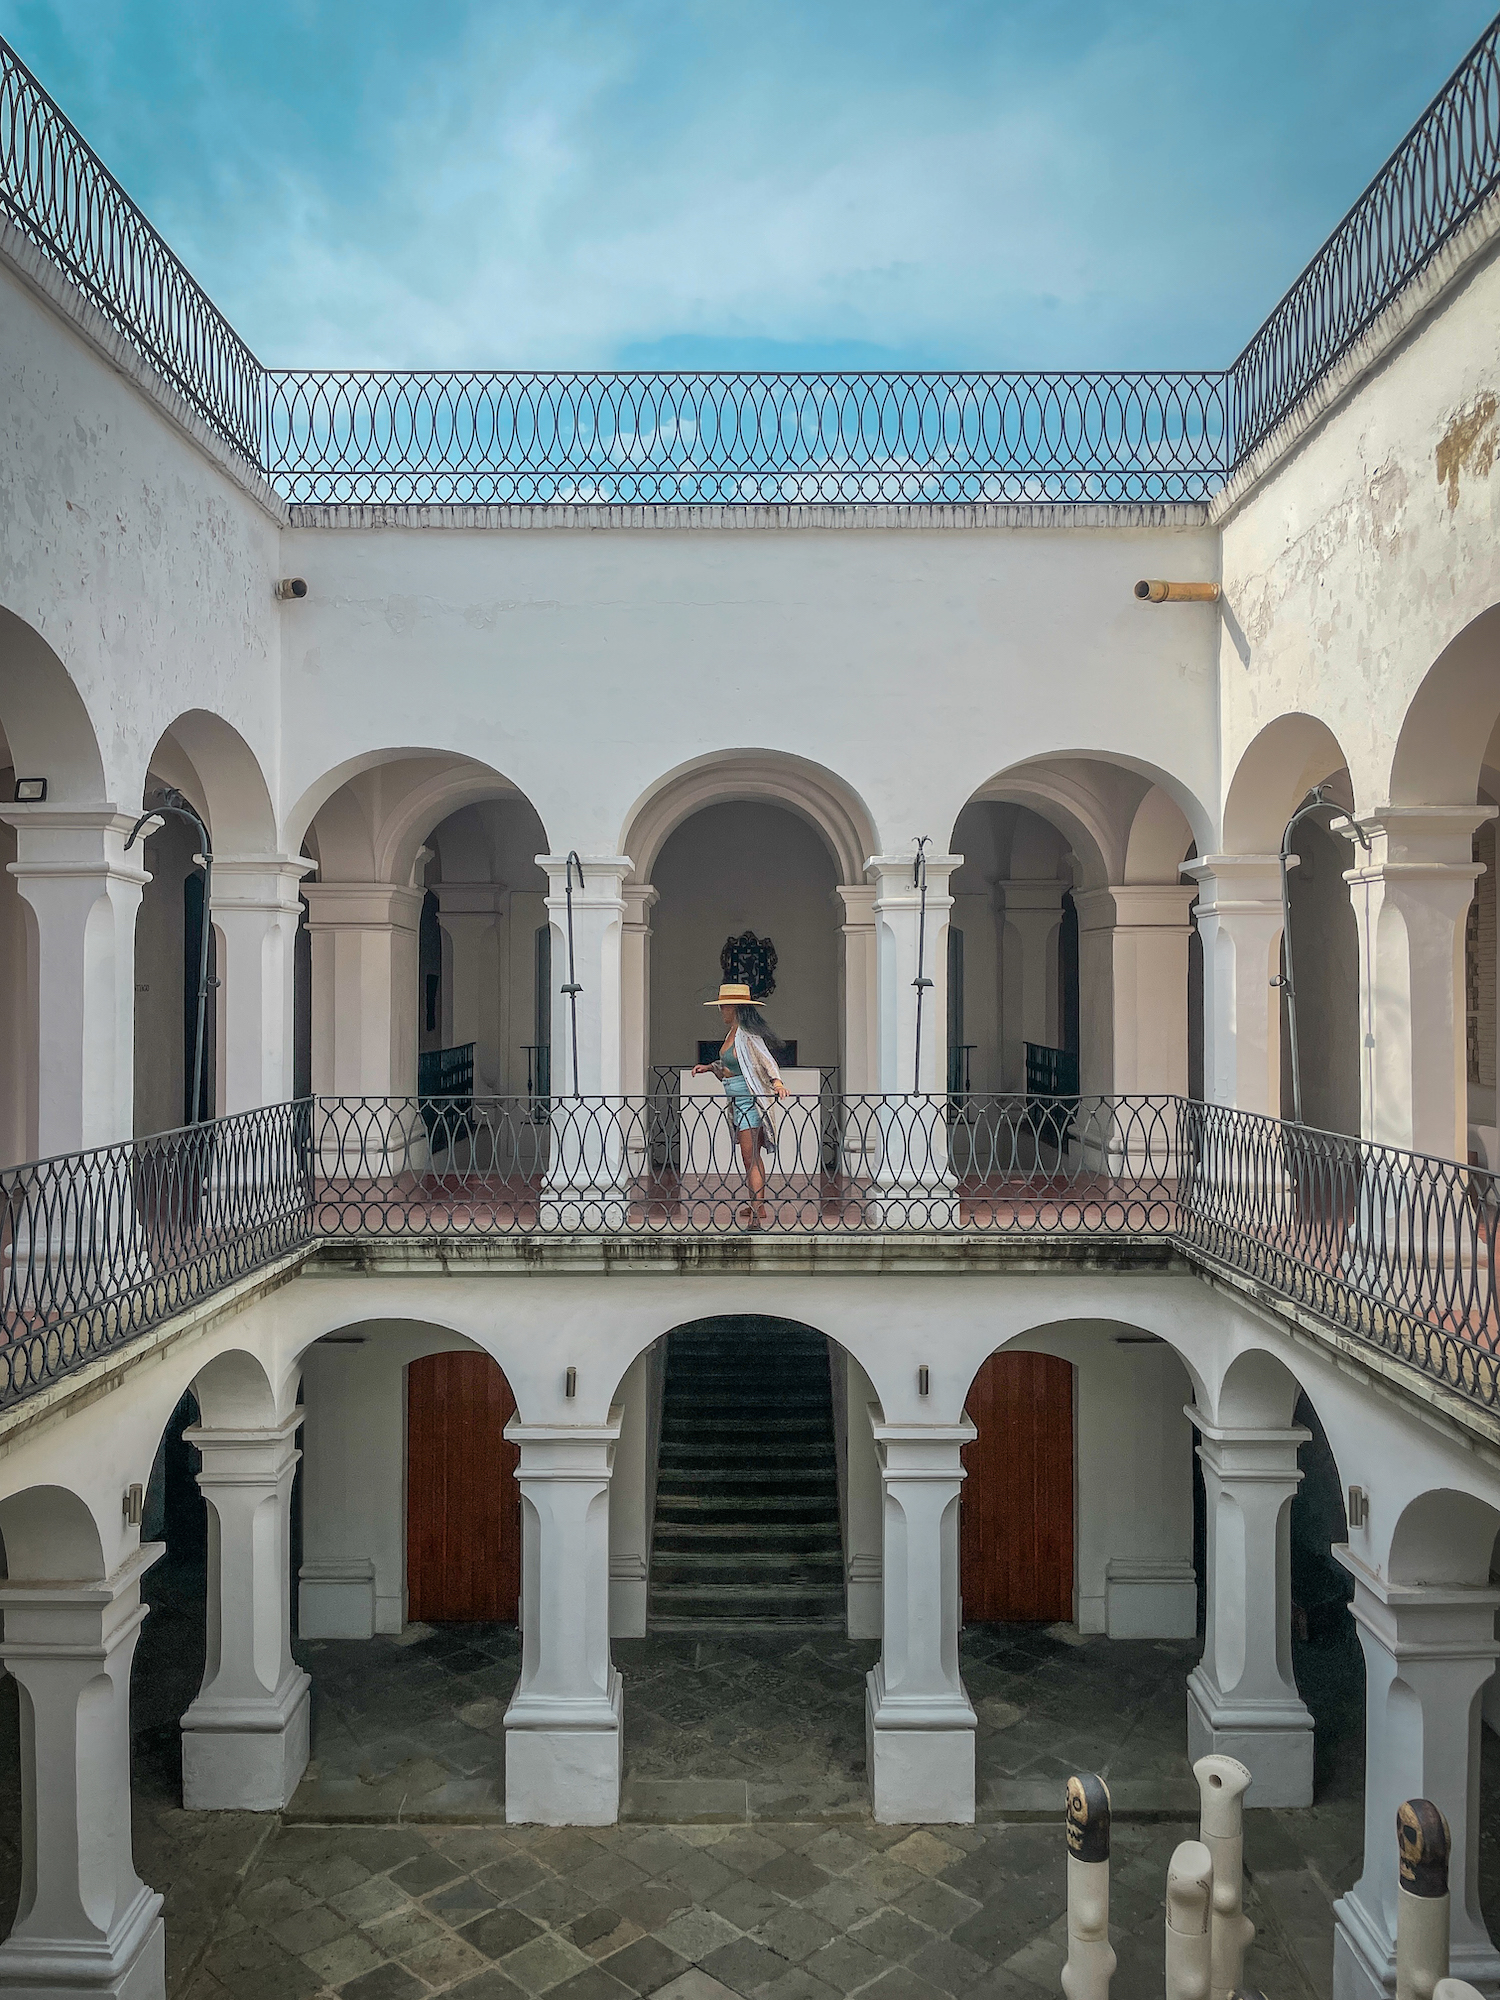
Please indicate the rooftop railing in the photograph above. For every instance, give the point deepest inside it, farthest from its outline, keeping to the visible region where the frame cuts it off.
(616, 439)
(1393, 1250)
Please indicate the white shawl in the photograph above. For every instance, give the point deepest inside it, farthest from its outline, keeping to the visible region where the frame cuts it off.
(758, 1068)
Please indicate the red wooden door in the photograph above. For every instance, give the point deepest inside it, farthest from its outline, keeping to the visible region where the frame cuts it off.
(1016, 1506)
(463, 1526)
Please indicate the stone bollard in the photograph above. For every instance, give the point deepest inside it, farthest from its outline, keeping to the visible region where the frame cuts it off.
(1091, 1962)
(1421, 1900)
(1190, 1881)
(1222, 1783)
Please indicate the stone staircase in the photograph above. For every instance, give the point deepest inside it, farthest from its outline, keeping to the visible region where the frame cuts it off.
(747, 1514)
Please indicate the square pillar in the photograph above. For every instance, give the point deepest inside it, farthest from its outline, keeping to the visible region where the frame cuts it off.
(256, 910)
(919, 1722)
(1239, 924)
(84, 891)
(635, 990)
(1429, 1649)
(469, 913)
(1032, 911)
(859, 989)
(598, 935)
(245, 1737)
(1133, 965)
(1411, 894)
(563, 1741)
(86, 1925)
(897, 909)
(1242, 1695)
(364, 981)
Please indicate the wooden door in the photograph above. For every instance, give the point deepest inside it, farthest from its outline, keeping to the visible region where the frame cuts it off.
(1016, 1506)
(463, 1523)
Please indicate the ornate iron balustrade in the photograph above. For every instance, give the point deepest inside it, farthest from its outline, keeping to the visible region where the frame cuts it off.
(97, 1247)
(616, 439)
(58, 192)
(1434, 181)
(734, 438)
(1392, 1248)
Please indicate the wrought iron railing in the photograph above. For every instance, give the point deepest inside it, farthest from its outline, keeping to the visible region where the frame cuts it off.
(649, 437)
(97, 1247)
(1444, 168)
(1392, 1248)
(612, 439)
(58, 192)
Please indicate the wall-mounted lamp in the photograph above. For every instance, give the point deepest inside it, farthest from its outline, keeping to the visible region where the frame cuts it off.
(1359, 1507)
(924, 1380)
(291, 586)
(570, 1383)
(1152, 590)
(30, 791)
(133, 1505)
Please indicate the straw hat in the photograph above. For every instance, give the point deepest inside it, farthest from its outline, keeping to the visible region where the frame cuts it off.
(734, 996)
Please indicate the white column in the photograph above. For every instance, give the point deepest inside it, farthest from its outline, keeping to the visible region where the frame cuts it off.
(919, 1723)
(635, 990)
(468, 913)
(1133, 961)
(859, 989)
(245, 1737)
(1411, 893)
(563, 1726)
(898, 907)
(1239, 924)
(1429, 1649)
(598, 935)
(864, 1509)
(1033, 910)
(84, 890)
(256, 910)
(364, 981)
(1242, 1696)
(86, 1924)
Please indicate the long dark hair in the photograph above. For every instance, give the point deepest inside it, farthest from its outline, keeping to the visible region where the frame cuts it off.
(753, 1022)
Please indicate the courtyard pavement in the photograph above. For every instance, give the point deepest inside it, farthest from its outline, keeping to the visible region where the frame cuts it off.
(745, 1865)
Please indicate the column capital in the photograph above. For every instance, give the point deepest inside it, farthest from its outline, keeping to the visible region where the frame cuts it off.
(895, 888)
(1229, 883)
(468, 899)
(59, 841)
(604, 877)
(640, 899)
(566, 1451)
(245, 1457)
(858, 899)
(362, 906)
(264, 882)
(920, 1451)
(1412, 836)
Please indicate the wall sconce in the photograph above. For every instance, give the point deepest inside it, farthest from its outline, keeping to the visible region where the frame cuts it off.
(570, 1383)
(1359, 1507)
(291, 586)
(133, 1505)
(924, 1380)
(30, 791)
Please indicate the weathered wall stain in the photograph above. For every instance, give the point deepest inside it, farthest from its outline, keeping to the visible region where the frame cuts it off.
(1468, 445)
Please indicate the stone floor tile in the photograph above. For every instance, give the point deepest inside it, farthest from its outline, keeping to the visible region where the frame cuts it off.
(607, 1875)
(252, 1966)
(446, 1959)
(845, 1965)
(792, 1876)
(309, 1928)
(331, 1873)
(925, 1851)
(798, 1984)
(842, 1903)
(746, 1966)
(794, 1933)
(342, 1959)
(598, 1983)
(460, 1901)
(696, 1933)
(390, 1982)
(511, 1875)
(404, 1932)
(645, 1965)
(901, 1983)
(948, 1966)
(890, 1935)
(558, 1902)
(694, 1984)
(594, 1930)
(652, 1905)
(745, 1904)
(429, 1870)
(937, 1905)
(269, 1902)
(544, 1963)
(377, 1896)
(499, 1932)
(744, 1849)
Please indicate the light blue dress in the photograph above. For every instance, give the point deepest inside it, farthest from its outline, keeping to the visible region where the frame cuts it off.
(744, 1108)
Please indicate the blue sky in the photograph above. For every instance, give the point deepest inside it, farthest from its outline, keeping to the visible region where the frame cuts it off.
(1026, 183)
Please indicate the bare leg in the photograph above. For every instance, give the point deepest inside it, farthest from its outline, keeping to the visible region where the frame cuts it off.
(755, 1172)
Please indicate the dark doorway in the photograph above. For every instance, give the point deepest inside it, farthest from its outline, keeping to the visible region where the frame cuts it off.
(463, 1507)
(1016, 1505)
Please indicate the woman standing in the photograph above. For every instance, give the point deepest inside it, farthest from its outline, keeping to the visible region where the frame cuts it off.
(752, 1084)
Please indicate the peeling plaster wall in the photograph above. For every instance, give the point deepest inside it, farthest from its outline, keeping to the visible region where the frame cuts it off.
(1372, 544)
(146, 570)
